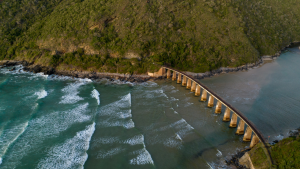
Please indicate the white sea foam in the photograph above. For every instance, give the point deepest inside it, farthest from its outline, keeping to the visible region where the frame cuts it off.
(70, 154)
(180, 124)
(107, 140)
(112, 108)
(95, 94)
(219, 154)
(48, 126)
(71, 93)
(148, 84)
(117, 123)
(41, 94)
(188, 104)
(143, 157)
(139, 139)
(279, 137)
(109, 153)
(0, 161)
(154, 94)
(182, 129)
(178, 137)
(174, 142)
(116, 115)
(9, 136)
(210, 165)
(53, 123)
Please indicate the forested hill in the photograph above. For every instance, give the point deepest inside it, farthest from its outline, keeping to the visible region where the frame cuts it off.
(129, 35)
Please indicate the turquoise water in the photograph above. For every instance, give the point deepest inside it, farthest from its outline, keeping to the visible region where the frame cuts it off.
(61, 122)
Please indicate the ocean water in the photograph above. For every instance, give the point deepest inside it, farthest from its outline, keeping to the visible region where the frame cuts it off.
(62, 122)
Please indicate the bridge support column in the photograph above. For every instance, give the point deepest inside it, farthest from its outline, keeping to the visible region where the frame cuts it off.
(233, 121)
(189, 83)
(248, 134)
(218, 108)
(179, 78)
(193, 89)
(204, 95)
(174, 76)
(241, 128)
(168, 74)
(226, 115)
(254, 141)
(198, 90)
(210, 101)
(184, 81)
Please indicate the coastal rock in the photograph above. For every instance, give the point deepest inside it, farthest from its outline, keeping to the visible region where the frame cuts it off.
(267, 58)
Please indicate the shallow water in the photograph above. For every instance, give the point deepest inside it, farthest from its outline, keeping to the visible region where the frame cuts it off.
(61, 122)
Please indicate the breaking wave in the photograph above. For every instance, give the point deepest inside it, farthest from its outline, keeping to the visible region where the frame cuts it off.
(71, 154)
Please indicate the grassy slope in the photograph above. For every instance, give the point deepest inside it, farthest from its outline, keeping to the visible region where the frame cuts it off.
(193, 35)
(285, 154)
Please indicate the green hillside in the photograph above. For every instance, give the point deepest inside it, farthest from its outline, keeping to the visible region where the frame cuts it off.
(129, 35)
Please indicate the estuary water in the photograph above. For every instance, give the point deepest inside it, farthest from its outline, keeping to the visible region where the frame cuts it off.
(61, 122)
(268, 95)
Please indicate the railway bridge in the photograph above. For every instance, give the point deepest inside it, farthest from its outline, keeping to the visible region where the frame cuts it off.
(245, 127)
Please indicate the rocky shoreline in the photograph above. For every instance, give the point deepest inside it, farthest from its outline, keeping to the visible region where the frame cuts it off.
(117, 76)
(136, 77)
(78, 74)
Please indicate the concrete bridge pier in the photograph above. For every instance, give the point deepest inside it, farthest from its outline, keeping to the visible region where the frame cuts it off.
(218, 108)
(233, 121)
(184, 81)
(198, 90)
(226, 115)
(248, 134)
(174, 76)
(193, 89)
(254, 141)
(210, 101)
(179, 78)
(204, 95)
(168, 74)
(241, 128)
(189, 83)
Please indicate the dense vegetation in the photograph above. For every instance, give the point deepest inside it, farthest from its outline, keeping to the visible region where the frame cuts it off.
(285, 154)
(192, 35)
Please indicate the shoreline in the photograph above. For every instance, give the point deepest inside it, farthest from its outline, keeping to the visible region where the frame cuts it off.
(139, 78)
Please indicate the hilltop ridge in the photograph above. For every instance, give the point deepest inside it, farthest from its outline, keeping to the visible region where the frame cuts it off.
(127, 36)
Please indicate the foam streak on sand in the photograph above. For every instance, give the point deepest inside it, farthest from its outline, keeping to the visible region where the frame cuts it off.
(71, 154)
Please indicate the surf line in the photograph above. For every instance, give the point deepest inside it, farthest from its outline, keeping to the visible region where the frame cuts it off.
(12, 141)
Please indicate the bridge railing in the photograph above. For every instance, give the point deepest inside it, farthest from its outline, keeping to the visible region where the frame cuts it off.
(196, 86)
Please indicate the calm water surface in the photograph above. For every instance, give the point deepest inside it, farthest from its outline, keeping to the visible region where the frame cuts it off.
(58, 122)
(269, 96)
